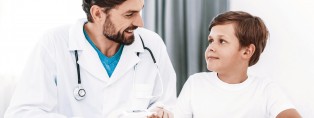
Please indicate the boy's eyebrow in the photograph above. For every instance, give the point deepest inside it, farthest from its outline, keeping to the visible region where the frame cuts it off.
(221, 36)
(209, 36)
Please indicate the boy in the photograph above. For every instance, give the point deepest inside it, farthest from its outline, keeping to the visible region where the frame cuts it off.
(236, 41)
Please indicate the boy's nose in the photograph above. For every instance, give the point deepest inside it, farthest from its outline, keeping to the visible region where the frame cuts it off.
(211, 47)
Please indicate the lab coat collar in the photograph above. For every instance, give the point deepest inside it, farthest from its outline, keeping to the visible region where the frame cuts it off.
(89, 60)
(128, 59)
(136, 46)
(77, 40)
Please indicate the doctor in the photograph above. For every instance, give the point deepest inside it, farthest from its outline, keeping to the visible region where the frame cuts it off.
(105, 66)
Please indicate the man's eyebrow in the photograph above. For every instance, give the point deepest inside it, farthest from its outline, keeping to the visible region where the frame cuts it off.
(132, 11)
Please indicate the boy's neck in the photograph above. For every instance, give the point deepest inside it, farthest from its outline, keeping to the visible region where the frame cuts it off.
(233, 77)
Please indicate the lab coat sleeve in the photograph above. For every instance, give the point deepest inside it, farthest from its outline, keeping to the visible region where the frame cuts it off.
(183, 107)
(36, 92)
(168, 76)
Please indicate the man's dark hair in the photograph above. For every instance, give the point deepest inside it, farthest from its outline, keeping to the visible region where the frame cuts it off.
(107, 4)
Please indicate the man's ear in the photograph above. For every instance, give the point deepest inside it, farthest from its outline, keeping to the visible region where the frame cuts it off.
(97, 13)
(248, 51)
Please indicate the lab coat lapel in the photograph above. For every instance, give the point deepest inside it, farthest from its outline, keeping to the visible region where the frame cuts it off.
(88, 59)
(90, 62)
(128, 59)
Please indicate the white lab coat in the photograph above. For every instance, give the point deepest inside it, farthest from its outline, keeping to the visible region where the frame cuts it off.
(45, 89)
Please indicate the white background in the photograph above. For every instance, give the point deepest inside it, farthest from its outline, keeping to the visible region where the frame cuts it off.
(289, 53)
(22, 22)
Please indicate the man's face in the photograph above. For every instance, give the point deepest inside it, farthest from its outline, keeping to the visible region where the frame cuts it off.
(122, 20)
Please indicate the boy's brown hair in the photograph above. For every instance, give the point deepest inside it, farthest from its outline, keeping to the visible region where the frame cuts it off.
(248, 29)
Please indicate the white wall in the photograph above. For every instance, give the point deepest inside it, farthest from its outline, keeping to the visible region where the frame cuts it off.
(289, 54)
(22, 22)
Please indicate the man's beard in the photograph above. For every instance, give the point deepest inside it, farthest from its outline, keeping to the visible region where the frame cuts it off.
(119, 37)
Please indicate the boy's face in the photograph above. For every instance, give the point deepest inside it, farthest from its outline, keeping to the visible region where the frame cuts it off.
(223, 53)
(122, 20)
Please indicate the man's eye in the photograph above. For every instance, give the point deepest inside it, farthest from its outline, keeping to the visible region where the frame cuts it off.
(129, 15)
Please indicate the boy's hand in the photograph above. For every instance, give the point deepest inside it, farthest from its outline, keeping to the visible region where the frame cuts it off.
(160, 112)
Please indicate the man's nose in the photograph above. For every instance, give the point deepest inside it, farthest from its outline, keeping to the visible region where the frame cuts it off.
(138, 21)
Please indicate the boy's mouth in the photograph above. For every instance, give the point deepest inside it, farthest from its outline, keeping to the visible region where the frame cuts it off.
(212, 58)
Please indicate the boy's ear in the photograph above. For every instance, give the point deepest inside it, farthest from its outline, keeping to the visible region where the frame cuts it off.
(96, 13)
(248, 51)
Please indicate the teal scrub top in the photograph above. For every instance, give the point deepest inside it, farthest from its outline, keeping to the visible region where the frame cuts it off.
(109, 63)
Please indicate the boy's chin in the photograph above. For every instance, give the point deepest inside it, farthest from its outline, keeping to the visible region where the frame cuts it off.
(210, 68)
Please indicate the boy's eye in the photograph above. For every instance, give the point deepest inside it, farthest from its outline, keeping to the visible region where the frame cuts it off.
(210, 41)
(222, 41)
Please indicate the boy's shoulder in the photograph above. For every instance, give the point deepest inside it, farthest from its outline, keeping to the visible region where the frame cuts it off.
(263, 81)
(211, 76)
(201, 76)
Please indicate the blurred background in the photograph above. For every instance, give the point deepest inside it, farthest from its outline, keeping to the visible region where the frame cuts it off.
(183, 25)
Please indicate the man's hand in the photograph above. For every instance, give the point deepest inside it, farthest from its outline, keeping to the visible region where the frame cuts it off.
(161, 113)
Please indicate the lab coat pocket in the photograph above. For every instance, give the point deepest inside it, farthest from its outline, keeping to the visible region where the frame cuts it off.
(142, 96)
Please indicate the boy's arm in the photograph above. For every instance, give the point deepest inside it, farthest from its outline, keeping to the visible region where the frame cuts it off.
(289, 113)
(278, 104)
(183, 107)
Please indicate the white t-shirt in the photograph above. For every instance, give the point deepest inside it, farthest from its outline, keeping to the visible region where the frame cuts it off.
(204, 95)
